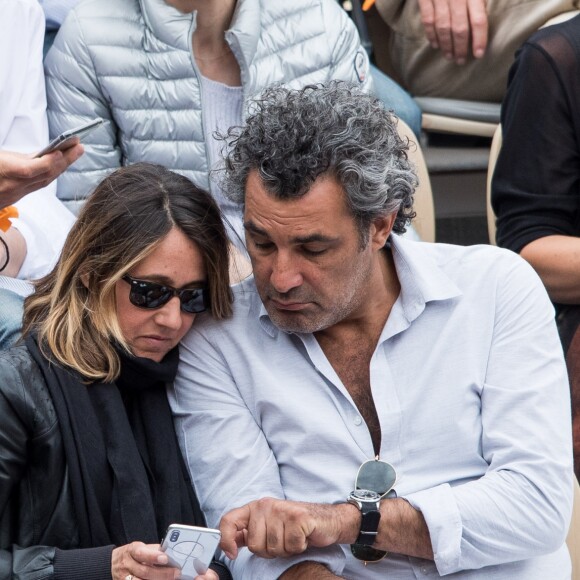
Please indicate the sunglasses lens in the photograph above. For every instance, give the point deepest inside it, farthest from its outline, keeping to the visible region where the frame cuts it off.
(367, 553)
(375, 475)
(192, 300)
(148, 294)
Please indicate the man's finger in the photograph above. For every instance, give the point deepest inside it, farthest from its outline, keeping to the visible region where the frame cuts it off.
(21, 167)
(428, 19)
(479, 23)
(232, 527)
(59, 161)
(443, 26)
(295, 541)
(459, 30)
(73, 153)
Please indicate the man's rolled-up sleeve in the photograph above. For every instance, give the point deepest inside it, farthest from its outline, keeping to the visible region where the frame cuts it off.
(521, 507)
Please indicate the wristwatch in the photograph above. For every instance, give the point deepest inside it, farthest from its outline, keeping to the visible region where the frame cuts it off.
(368, 502)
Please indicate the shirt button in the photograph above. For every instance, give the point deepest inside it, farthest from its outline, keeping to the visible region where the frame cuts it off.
(424, 570)
(357, 421)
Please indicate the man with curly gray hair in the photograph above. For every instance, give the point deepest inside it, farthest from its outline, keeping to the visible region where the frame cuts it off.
(373, 399)
(293, 137)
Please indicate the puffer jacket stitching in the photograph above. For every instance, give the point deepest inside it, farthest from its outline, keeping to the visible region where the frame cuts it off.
(273, 17)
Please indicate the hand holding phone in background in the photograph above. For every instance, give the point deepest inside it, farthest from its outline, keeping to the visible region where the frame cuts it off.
(21, 174)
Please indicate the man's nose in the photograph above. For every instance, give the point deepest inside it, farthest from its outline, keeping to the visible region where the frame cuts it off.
(285, 273)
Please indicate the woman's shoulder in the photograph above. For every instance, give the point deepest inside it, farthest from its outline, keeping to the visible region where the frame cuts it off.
(17, 359)
(24, 394)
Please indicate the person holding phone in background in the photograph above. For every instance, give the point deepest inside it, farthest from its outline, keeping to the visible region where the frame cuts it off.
(91, 474)
(43, 221)
(30, 247)
(22, 174)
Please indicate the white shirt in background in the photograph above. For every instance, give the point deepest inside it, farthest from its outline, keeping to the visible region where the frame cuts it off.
(44, 221)
(222, 108)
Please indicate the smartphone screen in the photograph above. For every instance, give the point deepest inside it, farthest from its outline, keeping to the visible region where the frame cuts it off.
(67, 138)
(190, 548)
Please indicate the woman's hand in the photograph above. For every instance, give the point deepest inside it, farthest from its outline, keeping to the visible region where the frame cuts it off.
(209, 575)
(139, 561)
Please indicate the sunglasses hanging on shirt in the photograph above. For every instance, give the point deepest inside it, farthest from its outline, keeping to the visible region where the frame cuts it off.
(374, 480)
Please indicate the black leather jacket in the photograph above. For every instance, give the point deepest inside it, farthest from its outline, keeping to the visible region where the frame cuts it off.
(38, 530)
(36, 506)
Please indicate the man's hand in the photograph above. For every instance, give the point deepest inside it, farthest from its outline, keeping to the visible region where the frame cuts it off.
(450, 24)
(274, 528)
(21, 174)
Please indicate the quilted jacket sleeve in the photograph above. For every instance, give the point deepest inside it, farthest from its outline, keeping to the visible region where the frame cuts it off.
(75, 96)
(350, 61)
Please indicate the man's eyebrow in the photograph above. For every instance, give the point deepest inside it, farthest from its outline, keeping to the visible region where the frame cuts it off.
(311, 238)
(252, 227)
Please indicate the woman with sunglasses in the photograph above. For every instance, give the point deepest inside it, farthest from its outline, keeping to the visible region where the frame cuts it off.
(90, 470)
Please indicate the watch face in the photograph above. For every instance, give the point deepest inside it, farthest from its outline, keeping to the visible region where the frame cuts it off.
(365, 495)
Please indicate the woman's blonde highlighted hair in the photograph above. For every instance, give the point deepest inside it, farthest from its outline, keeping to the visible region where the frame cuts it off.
(73, 310)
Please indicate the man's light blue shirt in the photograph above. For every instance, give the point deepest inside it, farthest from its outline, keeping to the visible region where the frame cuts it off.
(471, 391)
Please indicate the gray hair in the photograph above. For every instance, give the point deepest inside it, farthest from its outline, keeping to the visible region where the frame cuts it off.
(291, 137)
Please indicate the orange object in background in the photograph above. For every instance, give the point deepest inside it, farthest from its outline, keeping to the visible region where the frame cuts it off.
(5, 215)
(367, 5)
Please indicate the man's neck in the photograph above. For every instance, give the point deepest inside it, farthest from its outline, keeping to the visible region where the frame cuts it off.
(369, 318)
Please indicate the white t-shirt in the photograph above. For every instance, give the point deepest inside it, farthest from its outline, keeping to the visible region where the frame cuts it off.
(222, 108)
(44, 221)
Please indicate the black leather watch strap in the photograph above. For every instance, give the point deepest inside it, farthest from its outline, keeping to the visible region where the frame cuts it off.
(368, 527)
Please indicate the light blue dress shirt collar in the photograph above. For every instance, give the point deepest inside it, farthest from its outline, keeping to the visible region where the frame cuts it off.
(422, 281)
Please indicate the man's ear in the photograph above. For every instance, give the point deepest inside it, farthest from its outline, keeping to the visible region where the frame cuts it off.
(381, 229)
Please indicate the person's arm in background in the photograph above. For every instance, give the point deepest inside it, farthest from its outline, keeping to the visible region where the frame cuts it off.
(43, 222)
(21, 174)
(75, 97)
(536, 183)
(456, 27)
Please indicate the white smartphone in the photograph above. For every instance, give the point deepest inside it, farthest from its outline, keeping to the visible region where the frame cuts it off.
(190, 548)
(66, 139)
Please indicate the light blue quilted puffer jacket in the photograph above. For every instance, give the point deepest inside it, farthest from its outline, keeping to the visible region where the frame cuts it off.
(131, 63)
